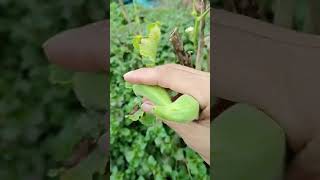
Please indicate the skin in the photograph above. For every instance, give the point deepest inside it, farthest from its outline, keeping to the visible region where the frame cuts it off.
(183, 80)
(281, 78)
(277, 70)
(71, 50)
(80, 49)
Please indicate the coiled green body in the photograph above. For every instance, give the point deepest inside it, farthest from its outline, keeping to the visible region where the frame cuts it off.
(156, 94)
(184, 109)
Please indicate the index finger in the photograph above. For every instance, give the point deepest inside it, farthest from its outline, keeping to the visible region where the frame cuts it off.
(81, 49)
(177, 78)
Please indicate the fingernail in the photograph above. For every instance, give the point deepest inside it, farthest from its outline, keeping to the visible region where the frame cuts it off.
(45, 44)
(45, 48)
(147, 107)
(128, 75)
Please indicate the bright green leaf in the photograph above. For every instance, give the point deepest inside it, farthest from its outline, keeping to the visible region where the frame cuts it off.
(148, 119)
(136, 116)
(148, 46)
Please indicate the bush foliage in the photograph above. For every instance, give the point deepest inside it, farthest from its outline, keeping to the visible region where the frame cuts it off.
(41, 123)
(139, 151)
(237, 147)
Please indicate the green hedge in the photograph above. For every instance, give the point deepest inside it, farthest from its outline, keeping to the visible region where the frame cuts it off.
(39, 122)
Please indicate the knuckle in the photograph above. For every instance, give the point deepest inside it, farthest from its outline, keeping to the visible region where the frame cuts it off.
(168, 66)
(171, 66)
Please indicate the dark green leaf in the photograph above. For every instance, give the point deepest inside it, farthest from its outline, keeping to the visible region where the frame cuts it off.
(247, 143)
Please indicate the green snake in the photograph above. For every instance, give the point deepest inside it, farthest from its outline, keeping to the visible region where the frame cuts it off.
(182, 110)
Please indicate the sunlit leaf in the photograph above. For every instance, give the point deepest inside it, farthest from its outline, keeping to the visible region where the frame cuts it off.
(148, 46)
(148, 119)
(136, 116)
(136, 42)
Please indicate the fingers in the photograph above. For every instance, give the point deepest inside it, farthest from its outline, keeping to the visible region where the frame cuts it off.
(198, 140)
(82, 49)
(307, 163)
(177, 78)
(147, 106)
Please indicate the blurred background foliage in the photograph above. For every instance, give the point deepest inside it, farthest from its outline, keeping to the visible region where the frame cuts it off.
(301, 15)
(140, 151)
(41, 124)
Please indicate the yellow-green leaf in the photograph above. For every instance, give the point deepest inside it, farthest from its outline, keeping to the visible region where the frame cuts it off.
(148, 46)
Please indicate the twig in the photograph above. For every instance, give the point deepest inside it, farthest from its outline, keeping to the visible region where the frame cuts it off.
(201, 36)
(183, 57)
(124, 11)
(209, 60)
(207, 44)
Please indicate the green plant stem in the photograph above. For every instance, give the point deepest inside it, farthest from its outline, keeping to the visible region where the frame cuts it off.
(194, 6)
(124, 11)
(200, 34)
(204, 14)
(136, 13)
(209, 61)
(196, 33)
(197, 26)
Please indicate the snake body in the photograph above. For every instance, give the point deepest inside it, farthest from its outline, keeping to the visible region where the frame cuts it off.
(182, 110)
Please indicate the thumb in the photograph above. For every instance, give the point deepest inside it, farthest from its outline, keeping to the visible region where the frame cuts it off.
(177, 78)
(198, 140)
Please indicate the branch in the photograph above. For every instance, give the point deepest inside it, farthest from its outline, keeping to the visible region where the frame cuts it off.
(124, 11)
(183, 57)
(201, 36)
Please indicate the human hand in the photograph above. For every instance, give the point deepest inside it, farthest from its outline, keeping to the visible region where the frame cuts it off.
(282, 80)
(184, 80)
(81, 49)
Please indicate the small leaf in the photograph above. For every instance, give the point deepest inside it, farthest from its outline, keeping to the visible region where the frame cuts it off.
(148, 46)
(136, 42)
(91, 90)
(151, 161)
(129, 155)
(136, 116)
(179, 155)
(54, 172)
(128, 85)
(148, 119)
